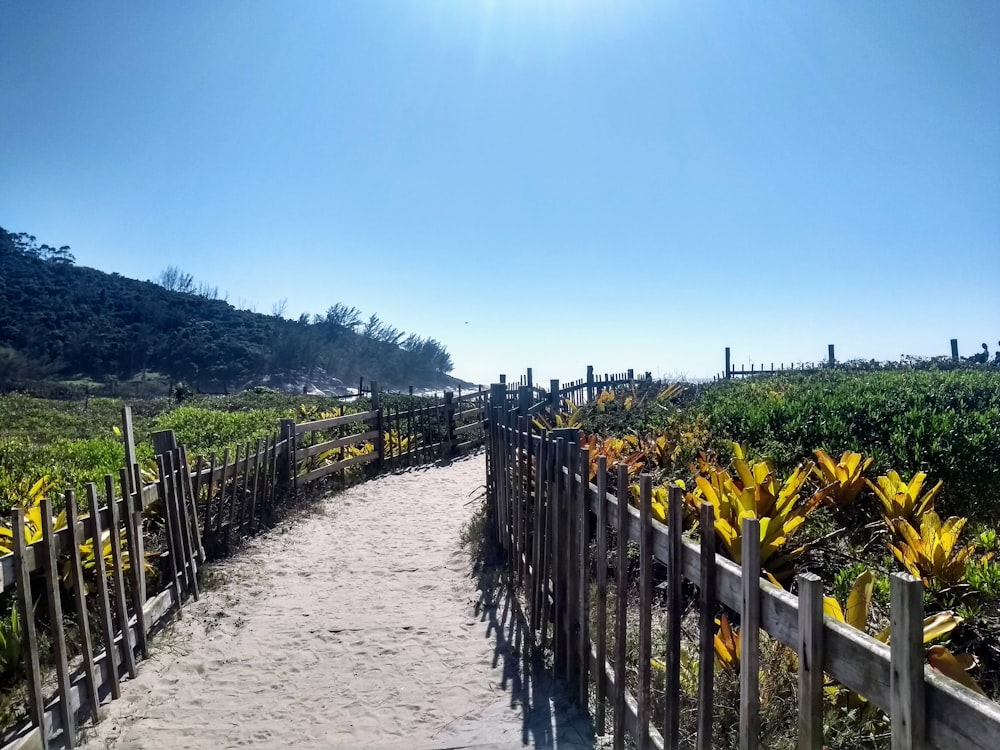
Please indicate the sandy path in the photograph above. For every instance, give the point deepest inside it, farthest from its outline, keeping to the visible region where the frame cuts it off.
(356, 626)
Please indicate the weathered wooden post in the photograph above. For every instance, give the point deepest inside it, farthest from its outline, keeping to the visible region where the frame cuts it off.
(164, 441)
(729, 369)
(830, 358)
(448, 445)
(908, 708)
(498, 400)
(590, 383)
(530, 382)
(288, 464)
(954, 350)
(128, 438)
(554, 395)
(380, 438)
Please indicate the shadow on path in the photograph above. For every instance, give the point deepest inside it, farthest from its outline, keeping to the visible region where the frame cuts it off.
(550, 718)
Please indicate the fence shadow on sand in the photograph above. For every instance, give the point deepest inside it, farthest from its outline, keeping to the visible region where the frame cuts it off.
(550, 719)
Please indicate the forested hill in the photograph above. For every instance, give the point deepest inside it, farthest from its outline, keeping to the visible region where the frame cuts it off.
(61, 320)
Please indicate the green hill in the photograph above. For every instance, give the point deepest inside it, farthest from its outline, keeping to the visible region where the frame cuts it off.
(62, 321)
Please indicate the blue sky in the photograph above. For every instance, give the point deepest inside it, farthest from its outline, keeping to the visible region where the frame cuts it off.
(544, 183)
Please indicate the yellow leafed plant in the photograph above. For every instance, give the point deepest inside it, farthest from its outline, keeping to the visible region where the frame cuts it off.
(843, 479)
(569, 419)
(727, 646)
(935, 626)
(932, 553)
(901, 499)
(33, 534)
(31, 501)
(755, 492)
(624, 450)
(397, 444)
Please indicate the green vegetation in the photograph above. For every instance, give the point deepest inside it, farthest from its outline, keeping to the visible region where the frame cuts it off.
(944, 423)
(75, 442)
(81, 327)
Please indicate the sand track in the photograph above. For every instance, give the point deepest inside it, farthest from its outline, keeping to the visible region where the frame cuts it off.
(359, 625)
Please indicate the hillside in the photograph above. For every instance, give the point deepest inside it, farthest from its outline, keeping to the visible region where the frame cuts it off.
(59, 320)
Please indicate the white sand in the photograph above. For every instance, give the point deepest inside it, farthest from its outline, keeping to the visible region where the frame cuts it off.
(357, 626)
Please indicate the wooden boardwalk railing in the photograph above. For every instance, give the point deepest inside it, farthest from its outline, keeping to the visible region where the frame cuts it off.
(546, 511)
(186, 517)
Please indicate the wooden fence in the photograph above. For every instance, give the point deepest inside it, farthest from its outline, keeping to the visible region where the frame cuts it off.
(545, 512)
(732, 371)
(577, 392)
(186, 516)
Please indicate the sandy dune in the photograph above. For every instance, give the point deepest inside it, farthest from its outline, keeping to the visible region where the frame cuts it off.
(360, 625)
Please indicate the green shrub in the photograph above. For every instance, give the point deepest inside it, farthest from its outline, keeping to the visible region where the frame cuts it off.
(945, 423)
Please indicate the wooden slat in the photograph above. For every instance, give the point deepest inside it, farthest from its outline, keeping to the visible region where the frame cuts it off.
(133, 531)
(322, 471)
(601, 560)
(192, 505)
(118, 574)
(621, 597)
(906, 613)
(80, 600)
(139, 546)
(558, 573)
(548, 455)
(810, 652)
(672, 657)
(103, 601)
(244, 497)
(213, 521)
(645, 607)
(750, 637)
(583, 582)
(272, 482)
(517, 496)
(531, 584)
(255, 488)
(706, 631)
(325, 424)
(26, 612)
(568, 540)
(57, 635)
(172, 553)
(195, 478)
(183, 524)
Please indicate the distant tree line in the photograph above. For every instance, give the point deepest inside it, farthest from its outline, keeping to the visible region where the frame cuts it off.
(58, 319)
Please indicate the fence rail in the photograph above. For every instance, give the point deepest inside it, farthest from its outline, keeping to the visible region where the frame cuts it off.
(546, 510)
(188, 516)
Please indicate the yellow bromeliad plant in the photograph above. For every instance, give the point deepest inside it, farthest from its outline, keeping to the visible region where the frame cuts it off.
(569, 419)
(397, 444)
(755, 492)
(727, 646)
(901, 499)
(936, 626)
(844, 479)
(626, 450)
(932, 554)
(31, 501)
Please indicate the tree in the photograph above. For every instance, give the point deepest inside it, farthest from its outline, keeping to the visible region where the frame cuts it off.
(174, 279)
(343, 316)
